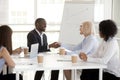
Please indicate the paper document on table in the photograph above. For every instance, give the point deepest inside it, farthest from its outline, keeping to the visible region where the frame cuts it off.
(34, 50)
(64, 60)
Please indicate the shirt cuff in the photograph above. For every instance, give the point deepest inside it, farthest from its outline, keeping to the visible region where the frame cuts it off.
(48, 47)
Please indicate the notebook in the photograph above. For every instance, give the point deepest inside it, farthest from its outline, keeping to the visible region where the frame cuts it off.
(34, 50)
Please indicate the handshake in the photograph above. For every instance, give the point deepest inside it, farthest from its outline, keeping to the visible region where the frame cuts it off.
(55, 45)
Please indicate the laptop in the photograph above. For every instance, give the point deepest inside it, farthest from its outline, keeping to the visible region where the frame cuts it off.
(34, 50)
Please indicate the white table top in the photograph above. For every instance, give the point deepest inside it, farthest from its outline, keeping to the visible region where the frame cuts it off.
(53, 62)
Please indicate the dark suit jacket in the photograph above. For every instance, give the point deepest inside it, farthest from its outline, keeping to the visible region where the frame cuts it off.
(33, 37)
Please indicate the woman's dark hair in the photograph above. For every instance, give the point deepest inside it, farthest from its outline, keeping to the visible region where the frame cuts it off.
(6, 37)
(108, 29)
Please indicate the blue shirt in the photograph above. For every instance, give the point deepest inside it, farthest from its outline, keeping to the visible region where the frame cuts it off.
(88, 45)
(2, 61)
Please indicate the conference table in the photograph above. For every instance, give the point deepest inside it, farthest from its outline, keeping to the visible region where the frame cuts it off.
(54, 61)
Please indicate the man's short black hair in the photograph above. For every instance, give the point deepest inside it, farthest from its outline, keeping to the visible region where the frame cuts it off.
(39, 20)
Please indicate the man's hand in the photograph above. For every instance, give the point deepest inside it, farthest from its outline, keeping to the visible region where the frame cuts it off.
(54, 45)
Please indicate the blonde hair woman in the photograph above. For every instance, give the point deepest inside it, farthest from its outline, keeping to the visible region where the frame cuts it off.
(88, 45)
(87, 28)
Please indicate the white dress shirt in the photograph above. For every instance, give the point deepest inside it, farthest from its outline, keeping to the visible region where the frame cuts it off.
(41, 36)
(88, 45)
(108, 53)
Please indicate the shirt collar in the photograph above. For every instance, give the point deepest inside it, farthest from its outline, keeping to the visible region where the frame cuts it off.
(88, 36)
(39, 32)
(109, 39)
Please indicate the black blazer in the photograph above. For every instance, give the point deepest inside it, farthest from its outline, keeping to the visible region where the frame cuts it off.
(33, 37)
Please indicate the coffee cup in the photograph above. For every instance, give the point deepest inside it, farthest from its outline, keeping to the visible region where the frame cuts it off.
(25, 51)
(40, 58)
(62, 51)
(74, 58)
